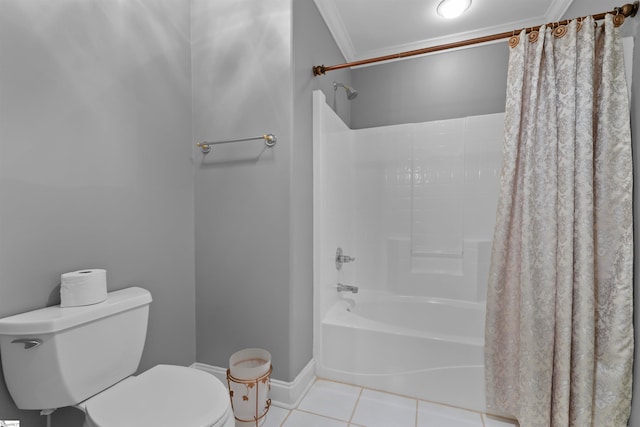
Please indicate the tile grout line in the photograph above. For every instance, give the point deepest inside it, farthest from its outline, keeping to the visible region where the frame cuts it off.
(350, 422)
(407, 396)
(321, 415)
(353, 412)
(286, 418)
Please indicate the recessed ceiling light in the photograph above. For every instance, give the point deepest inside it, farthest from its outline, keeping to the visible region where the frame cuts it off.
(453, 8)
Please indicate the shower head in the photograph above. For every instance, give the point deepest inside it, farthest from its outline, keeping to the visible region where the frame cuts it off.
(351, 92)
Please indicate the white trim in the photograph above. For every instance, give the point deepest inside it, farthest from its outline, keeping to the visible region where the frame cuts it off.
(450, 38)
(284, 394)
(331, 16)
(557, 9)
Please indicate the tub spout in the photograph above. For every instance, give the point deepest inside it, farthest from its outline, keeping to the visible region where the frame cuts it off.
(347, 288)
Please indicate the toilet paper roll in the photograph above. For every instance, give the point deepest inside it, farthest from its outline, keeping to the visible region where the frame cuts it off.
(83, 287)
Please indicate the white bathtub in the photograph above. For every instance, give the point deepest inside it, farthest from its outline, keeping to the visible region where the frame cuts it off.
(430, 349)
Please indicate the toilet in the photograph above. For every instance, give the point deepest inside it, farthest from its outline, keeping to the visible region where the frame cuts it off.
(86, 356)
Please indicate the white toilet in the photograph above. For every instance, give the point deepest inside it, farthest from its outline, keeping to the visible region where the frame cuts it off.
(85, 356)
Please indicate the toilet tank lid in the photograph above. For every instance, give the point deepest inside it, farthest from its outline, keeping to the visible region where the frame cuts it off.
(55, 318)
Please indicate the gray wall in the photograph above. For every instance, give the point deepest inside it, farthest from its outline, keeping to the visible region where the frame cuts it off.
(242, 83)
(251, 75)
(473, 81)
(435, 87)
(95, 162)
(98, 162)
(312, 44)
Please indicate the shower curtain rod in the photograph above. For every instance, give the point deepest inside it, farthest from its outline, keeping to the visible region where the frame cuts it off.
(628, 10)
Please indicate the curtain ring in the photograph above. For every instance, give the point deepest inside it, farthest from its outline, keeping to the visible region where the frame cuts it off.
(514, 40)
(560, 31)
(618, 19)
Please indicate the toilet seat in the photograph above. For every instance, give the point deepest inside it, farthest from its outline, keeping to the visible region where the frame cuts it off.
(163, 396)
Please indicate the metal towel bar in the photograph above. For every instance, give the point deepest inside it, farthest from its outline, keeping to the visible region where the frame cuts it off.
(269, 140)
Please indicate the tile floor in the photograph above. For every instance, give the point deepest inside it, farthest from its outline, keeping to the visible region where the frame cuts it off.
(332, 404)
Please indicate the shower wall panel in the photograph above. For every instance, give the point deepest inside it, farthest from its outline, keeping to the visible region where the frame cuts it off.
(437, 185)
(423, 203)
(333, 177)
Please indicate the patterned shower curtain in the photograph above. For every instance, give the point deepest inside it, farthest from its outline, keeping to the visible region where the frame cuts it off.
(559, 331)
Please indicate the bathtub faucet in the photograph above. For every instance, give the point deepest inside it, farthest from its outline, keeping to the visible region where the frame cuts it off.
(347, 288)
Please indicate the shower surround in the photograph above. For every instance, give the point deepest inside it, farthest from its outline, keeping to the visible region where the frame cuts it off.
(415, 205)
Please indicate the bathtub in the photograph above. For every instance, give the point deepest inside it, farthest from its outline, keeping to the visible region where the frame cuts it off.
(426, 348)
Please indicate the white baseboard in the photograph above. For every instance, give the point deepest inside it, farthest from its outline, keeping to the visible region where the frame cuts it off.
(283, 394)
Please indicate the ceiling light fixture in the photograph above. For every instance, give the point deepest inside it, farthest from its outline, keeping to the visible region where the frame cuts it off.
(453, 8)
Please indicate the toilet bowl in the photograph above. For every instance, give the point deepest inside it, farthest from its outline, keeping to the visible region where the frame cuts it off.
(165, 395)
(85, 357)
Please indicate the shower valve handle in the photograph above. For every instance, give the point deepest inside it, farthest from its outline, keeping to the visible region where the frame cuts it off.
(341, 259)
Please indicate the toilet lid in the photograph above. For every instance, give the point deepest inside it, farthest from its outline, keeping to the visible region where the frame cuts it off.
(164, 395)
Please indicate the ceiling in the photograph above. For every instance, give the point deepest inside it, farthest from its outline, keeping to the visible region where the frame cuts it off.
(369, 28)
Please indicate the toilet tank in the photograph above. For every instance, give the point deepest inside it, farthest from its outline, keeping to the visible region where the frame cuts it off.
(55, 357)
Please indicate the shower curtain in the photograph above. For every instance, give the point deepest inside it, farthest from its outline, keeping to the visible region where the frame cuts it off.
(559, 332)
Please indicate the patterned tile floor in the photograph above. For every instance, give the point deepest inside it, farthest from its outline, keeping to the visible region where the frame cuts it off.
(332, 404)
